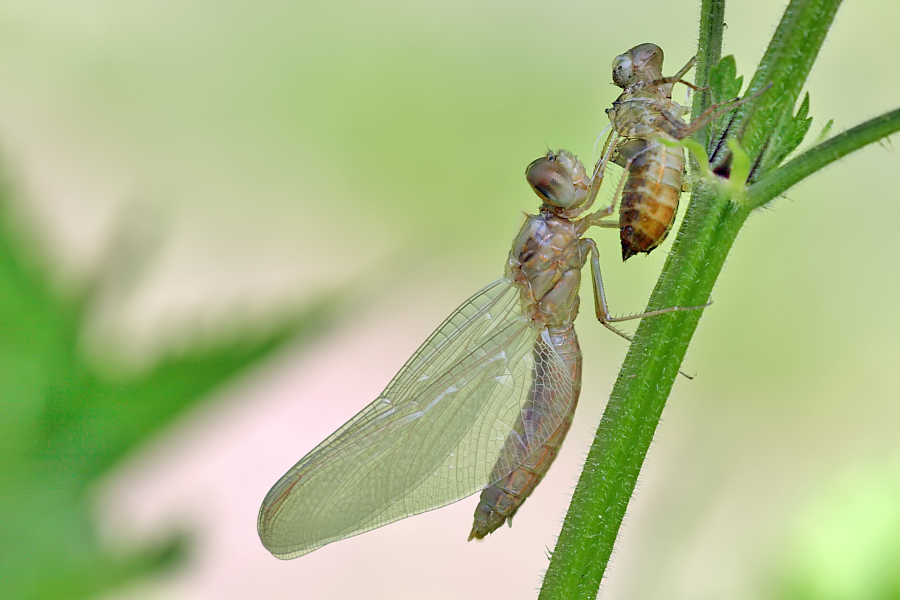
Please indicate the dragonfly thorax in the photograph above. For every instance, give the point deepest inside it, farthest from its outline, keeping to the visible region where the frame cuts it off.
(546, 261)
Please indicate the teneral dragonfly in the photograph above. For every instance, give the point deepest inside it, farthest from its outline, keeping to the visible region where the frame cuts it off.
(483, 404)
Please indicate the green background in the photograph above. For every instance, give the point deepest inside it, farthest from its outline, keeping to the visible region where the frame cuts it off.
(272, 155)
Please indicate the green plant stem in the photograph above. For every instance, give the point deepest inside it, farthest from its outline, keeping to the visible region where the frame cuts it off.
(636, 403)
(710, 227)
(781, 75)
(779, 180)
(709, 53)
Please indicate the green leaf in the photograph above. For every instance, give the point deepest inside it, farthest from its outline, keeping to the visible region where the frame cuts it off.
(88, 432)
(823, 134)
(725, 84)
(780, 180)
(787, 137)
(724, 80)
(781, 75)
(63, 421)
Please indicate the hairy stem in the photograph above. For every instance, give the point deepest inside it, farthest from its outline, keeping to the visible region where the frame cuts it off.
(781, 75)
(709, 52)
(710, 227)
(778, 181)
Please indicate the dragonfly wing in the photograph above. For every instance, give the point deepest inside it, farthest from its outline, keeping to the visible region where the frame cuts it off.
(432, 437)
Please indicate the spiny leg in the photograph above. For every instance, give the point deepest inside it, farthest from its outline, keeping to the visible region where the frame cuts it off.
(677, 77)
(605, 144)
(602, 308)
(599, 172)
(717, 110)
(595, 219)
(687, 67)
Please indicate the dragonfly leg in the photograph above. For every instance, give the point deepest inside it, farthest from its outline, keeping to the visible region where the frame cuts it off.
(687, 67)
(599, 172)
(677, 77)
(717, 110)
(601, 306)
(595, 219)
(603, 309)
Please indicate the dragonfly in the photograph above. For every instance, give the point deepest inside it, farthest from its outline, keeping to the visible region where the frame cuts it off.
(484, 404)
(642, 116)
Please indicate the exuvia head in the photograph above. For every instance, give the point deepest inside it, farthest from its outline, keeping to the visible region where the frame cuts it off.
(641, 64)
(559, 179)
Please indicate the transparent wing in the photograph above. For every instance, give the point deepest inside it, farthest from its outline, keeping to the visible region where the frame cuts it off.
(432, 437)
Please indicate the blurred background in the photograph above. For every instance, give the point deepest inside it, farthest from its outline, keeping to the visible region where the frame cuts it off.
(226, 225)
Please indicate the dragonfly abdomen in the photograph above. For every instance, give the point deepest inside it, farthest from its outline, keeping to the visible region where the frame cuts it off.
(650, 197)
(642, 115)
(500, 501)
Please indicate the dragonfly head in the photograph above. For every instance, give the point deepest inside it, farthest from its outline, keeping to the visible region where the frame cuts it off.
(559, 179)
(641, 64)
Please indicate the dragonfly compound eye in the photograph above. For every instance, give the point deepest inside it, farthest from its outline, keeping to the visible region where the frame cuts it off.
(552, 180)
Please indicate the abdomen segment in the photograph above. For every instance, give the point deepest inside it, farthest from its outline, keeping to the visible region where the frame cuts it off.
(650, 197)
(500, 501)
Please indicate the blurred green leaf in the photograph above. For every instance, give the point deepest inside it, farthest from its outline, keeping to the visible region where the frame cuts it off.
(63, 421)
(98, 421)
